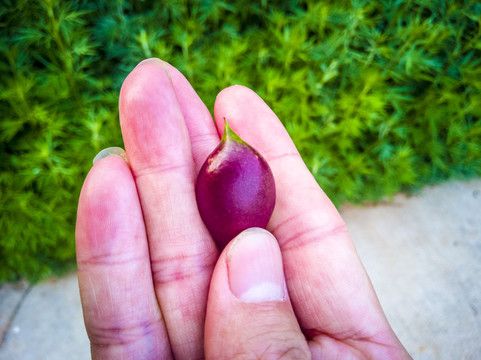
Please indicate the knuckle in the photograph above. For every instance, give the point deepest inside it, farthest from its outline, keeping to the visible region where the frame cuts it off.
(281, 344)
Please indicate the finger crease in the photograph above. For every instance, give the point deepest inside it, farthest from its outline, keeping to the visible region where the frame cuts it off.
(182, 267)
(110, 260)
(307, 236)
(123, 335)
(156, 169)
(283, 156)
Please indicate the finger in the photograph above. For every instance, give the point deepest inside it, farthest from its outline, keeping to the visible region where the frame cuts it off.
(201, 127)
(248, 313)
(297, 190)
(121, 314)
(323, 271)
(181, 250)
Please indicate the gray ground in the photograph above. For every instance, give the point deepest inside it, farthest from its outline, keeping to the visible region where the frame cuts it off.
(423, 255)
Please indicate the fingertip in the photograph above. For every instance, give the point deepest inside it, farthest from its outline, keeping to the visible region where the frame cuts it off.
(254, 266)
(198, 119)
(147, 78)
(110, 172)
(111, 151)
(108, 185)
(235, 90)
(148, 61)
(151, 120)
(156, 63)
(229, 102)
(253, 120)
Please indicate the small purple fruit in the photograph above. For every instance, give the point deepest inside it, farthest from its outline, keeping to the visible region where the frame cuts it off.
(235, 189)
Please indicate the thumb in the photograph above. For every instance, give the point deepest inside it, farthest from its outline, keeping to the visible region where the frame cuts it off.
(249, 314)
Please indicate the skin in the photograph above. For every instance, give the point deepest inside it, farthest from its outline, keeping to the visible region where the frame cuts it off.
(152, 282)
(235, 190)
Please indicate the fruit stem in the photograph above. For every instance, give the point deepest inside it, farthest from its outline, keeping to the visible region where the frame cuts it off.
(230, 134)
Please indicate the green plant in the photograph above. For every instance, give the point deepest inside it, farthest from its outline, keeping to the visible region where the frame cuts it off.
(379, 97)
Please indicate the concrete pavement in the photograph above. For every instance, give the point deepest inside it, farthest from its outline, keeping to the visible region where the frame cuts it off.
(423, 254)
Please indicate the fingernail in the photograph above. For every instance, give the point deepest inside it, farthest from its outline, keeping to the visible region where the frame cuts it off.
(159, 62)
(255, 267)
(111, 151)
(151, 61)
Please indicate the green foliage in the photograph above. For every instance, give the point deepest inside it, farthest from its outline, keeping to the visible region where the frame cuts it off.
(379, 96)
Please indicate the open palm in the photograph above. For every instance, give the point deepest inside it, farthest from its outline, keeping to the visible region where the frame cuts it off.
(146, 261)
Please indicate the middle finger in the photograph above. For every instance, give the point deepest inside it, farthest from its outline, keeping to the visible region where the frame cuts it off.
(182, 252)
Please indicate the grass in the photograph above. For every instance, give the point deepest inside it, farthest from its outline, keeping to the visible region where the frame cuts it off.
(379, 97)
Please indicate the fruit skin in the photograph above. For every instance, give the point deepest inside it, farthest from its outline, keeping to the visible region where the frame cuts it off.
(235, 189)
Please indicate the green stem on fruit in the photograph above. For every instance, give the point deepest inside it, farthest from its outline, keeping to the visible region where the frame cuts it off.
(230, 134)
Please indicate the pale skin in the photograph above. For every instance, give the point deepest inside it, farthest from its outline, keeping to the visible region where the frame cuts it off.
(152, 281)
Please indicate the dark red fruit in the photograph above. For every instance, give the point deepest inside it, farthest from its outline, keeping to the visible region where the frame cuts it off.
(235, 189)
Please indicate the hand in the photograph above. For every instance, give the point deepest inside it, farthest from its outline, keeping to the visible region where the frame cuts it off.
(152, 283)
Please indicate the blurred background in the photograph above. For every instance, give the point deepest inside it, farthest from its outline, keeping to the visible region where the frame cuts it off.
(380, 97)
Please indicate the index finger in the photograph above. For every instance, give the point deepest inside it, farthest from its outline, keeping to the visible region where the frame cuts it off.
(182, 253)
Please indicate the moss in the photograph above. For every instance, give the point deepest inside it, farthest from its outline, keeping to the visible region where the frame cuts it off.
(380, 97)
